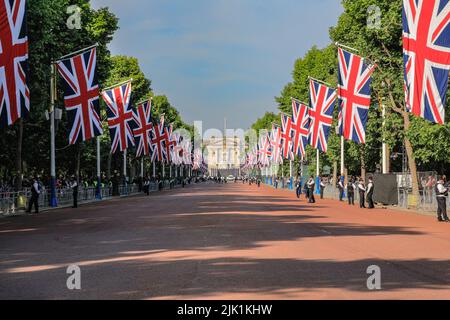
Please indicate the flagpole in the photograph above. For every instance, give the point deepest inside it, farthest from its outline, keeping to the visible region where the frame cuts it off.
(345, 47)
(154, 169)
(99, 178)
(76, 52)
(291, 171)
(342, 155)
(142, 167)
(322, 82)
(125, 170)
(118, 84)
(318, 172)
(53, 200)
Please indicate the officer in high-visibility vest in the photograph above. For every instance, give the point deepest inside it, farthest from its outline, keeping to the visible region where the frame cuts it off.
(441, 197)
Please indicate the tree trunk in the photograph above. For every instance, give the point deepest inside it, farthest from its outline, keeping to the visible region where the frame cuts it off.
(363, 161)
(19, 171)
(411, 160)
(78, 164)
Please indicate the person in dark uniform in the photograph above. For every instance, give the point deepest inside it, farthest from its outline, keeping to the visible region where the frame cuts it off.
(34, 201)
(362, 193)
(74, 187)
(322, 187)
(441, 197)
(259, 182)
(341, 188)
(351, 192)
(298, 188)
(311, 186)
(370, 189)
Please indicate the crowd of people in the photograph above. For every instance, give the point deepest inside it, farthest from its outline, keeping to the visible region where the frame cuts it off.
(348, 188)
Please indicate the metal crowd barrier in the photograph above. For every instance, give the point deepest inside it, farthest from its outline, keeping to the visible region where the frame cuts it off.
(12, 203)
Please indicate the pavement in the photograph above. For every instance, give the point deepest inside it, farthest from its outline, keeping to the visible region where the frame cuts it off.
(231, 241)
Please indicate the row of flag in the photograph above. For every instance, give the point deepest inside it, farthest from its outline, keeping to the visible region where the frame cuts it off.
(426, 51)
(128, 126)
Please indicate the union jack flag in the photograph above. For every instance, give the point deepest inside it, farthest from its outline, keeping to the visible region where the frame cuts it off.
(121, 118)
(143, 131)
(170, 142)
(14, 92)
(354, 79)
(159, 142)
(81, 96)
(177, 151)
(187, 151)
(426, 55)
(276, 145)
(286, 137)
(322, 101)
(265, 151)
(300, 127)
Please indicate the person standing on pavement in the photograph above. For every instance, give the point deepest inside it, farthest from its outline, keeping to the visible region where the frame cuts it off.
(74, 187)
(441, 197)
(322, 187)
(34, 201)
(362, 193)
(311, 186)
(370, 190)
(351, 192)
(298, 188)
(341, 188)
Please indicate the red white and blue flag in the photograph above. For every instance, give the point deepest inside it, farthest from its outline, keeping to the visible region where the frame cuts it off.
(14, 92)
(286, 137)
(143, 131)
(300, 127)
(81, 96)
(121, 119)
(354, 79)
(276, 145)
(322, 102)
(426, 55)
(265, 151)
(170, 142)
(159, 142)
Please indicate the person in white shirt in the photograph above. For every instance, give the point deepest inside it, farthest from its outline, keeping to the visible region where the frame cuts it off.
(362, 193)
(441, 197)
(311, 185)
(351, 192)
(74, 187)
(341, 188)
(370, 189)
(322, 187)
(35, 191)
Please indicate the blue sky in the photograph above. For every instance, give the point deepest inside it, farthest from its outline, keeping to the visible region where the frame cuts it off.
(220, 58)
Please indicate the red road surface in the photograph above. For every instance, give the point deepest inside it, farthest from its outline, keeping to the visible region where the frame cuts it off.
(224, 241)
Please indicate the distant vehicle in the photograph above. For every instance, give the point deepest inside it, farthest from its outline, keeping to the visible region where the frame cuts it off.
(230, 178)
(239, 178)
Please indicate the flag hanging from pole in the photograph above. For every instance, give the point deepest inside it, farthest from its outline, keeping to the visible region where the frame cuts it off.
(14, 92)
(143, 131)
(81, 95)
(276, 145)
(158, 141)
(354, 79)
(300, 127)
(426, 56)
(121, 118)
(322, 102)
(286, 137)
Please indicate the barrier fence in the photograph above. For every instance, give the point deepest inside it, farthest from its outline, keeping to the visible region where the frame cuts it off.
(426, 201)
(12, 203)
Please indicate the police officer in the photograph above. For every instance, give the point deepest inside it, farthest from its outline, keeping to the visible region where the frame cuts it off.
(311, 186)
(362, 193)
(322, 187)
(341, 188)
(370, 189)
(74, 187)
(298, 188)
(441, 197)
(35, 191)
(351, 192)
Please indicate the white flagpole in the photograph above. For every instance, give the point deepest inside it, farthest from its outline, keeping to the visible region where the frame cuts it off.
(53, 201)
(99, 174)
(342, 156)
(170, 171)
(142, 168)
(385, 150)
(154, 169)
